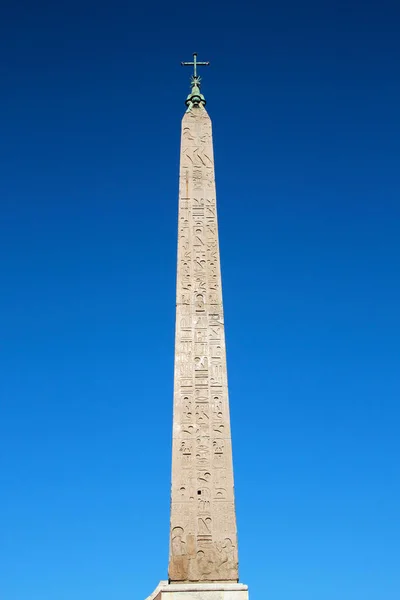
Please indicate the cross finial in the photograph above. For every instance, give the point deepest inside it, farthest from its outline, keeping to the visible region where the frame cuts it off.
(195, 98)
(195, 63)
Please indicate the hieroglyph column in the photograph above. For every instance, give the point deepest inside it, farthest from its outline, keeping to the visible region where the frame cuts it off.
(203, 544)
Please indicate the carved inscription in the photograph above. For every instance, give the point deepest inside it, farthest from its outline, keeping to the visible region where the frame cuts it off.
(203, 544)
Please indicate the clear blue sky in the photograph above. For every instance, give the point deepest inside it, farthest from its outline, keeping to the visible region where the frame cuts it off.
(304, 98)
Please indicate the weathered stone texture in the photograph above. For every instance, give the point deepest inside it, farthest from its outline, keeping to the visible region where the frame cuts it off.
(203, 545)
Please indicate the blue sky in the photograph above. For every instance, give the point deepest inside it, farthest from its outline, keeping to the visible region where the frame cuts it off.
(304, 100)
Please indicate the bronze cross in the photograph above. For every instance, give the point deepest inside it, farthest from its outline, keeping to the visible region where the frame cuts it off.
(195, 64)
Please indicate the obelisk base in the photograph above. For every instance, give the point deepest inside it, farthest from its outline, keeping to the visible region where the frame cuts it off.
(200, 591)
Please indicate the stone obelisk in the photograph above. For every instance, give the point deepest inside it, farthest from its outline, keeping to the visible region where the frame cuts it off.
(203, 560)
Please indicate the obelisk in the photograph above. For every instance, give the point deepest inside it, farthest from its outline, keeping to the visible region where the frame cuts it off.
(203, 560)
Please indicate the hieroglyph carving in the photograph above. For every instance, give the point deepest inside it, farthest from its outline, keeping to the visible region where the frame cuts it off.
(203, 545)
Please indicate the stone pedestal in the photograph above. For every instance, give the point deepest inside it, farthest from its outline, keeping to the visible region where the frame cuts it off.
(200, 591)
